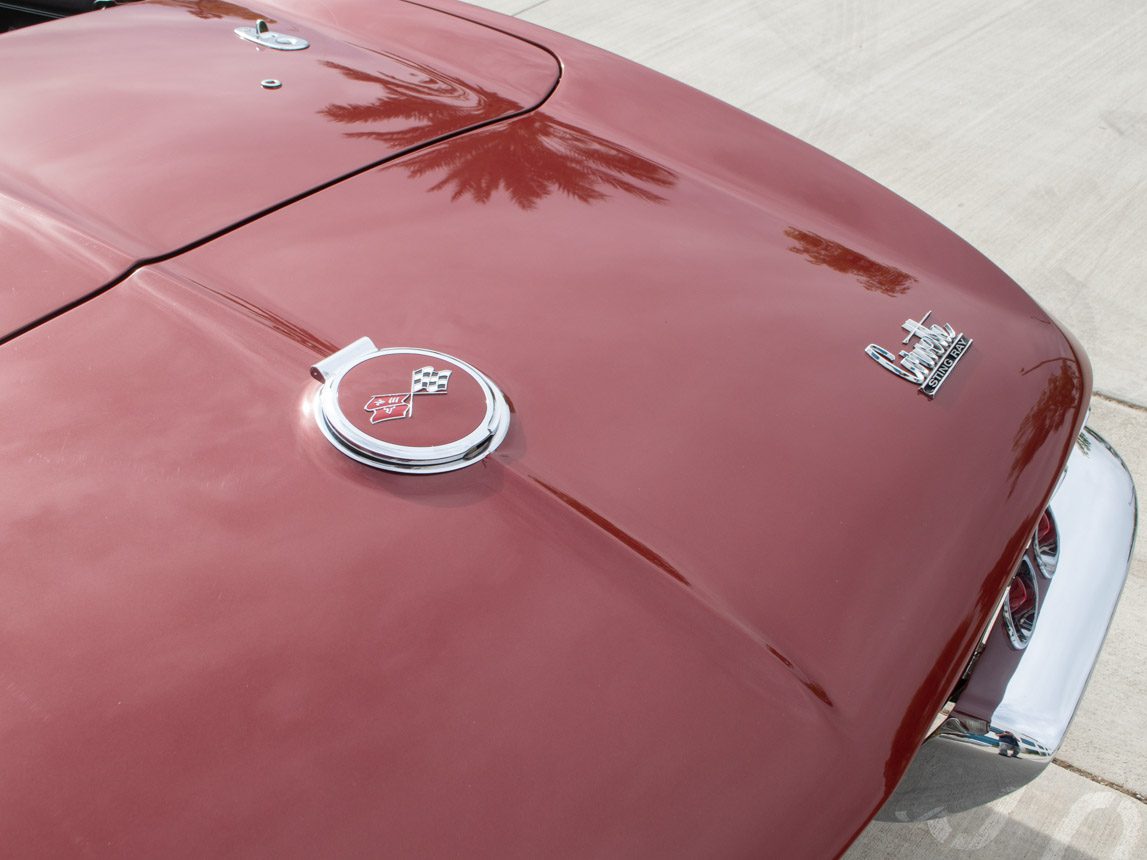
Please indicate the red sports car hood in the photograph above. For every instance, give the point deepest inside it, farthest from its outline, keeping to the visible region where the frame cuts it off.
(138, 130)
(703, 601)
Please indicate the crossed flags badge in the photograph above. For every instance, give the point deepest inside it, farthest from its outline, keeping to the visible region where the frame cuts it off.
(388, 407)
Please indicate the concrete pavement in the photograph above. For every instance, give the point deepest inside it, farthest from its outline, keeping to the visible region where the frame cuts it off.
(1060, 815)
(1022, 126)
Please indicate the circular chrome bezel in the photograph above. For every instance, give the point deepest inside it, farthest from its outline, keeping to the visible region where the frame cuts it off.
(1020, 638)
(1048, 561)
(430, 459)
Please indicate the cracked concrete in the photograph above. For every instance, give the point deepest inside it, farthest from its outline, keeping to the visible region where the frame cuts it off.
(1022, 126)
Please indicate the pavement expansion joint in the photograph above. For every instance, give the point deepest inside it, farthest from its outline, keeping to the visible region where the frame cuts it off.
(528, 8)
(1086, 774)
(1119, 401)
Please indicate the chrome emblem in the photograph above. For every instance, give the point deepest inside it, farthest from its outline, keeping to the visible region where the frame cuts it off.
(391, 407)
(937, 350)
(451, 431)
(263, 36)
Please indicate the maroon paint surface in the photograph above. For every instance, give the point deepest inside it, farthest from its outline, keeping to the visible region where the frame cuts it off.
(703, 601)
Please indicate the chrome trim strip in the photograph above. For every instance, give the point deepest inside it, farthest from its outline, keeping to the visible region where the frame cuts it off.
(1046, 560)
(1019, 636)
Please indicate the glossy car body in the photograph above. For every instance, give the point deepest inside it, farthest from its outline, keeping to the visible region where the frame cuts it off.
(707, 598)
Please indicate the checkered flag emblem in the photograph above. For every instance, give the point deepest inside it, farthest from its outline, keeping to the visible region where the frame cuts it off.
(389, 407)
(427, 380)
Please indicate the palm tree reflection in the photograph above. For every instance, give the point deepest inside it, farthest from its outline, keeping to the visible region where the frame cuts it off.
(419, 103)
(209, 9)
(873, 276)
(530, 157)
(535, 156)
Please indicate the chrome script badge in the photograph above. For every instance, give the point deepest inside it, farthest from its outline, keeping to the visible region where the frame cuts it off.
(390, 407)
(934, 355)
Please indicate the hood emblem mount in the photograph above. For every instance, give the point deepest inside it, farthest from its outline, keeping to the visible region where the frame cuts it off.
(366, 408)
(263, 36)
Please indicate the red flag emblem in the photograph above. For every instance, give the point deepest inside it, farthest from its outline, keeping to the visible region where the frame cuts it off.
(388, 406)
(424, 380)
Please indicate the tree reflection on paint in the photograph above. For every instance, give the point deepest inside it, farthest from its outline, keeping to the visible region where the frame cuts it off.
(211, 9)
(420, 103)
(529, 157)
(873, 276)
(1060, 396)
(534, 156)
(280, 324)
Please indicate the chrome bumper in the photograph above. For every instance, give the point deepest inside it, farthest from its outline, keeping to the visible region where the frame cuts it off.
(978, 753)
